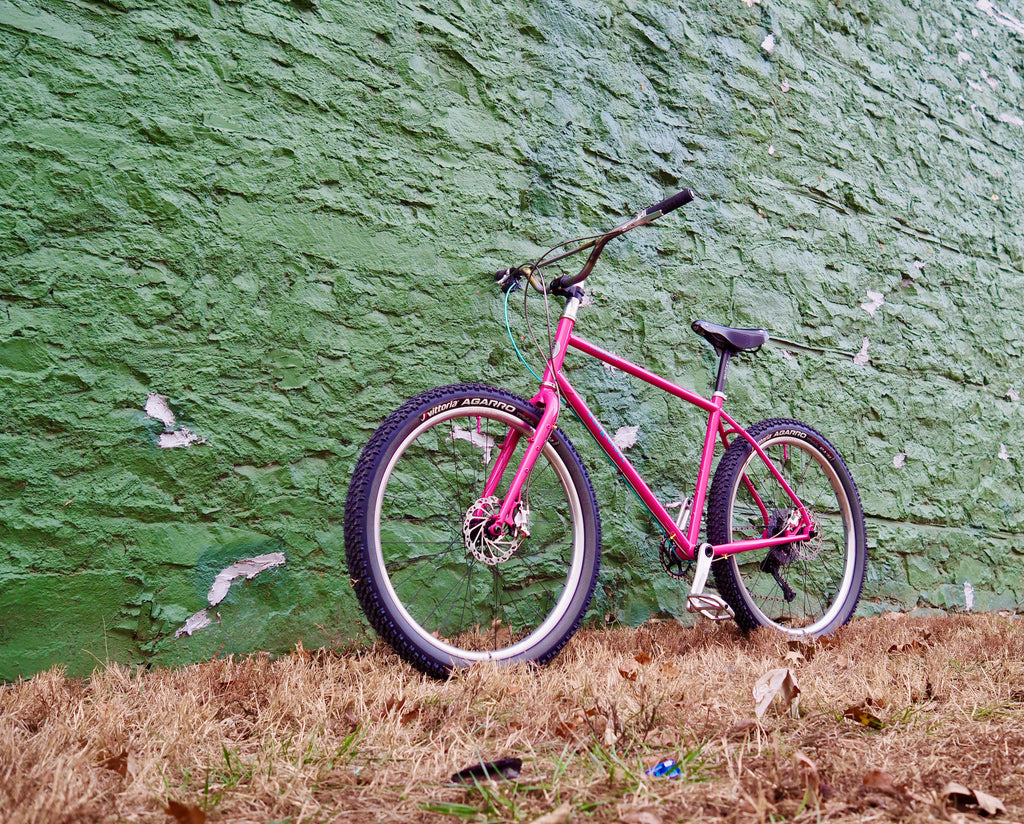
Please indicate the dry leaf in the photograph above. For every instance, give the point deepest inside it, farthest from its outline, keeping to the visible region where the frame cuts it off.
(989, 803)
(781, 682)
(642, 658)
(561, 815)
(795, 656)
(882, 782)
(670, 669)
(185, 813)
(640, 817)
(350, 715)
(741, 728)
(954, 788)
(962, 796)
(118, 763)
(809, 772)
(392, 704)
(862, 715)
(566, 729)
(629, 671)
(909, 646)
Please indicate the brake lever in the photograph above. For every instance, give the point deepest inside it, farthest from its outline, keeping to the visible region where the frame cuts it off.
(509, 279)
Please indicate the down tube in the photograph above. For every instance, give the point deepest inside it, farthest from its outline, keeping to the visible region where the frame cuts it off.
(622, 464)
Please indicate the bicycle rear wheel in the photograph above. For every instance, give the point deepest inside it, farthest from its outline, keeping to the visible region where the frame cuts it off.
(431, 579)
(806, 588)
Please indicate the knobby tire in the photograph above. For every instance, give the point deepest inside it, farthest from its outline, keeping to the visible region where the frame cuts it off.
(825, 575)
(415, 488)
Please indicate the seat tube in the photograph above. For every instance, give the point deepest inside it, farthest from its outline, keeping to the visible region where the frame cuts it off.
(707, 458)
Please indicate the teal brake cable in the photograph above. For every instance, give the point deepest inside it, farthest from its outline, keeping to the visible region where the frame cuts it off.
(511, 337)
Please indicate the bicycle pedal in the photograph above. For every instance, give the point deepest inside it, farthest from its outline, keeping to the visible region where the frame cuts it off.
(710, 606)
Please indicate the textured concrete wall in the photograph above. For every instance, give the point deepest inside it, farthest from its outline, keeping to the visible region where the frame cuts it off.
(277, 219)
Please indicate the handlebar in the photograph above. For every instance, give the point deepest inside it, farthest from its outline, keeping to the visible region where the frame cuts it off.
(509, 278)
(670, 204)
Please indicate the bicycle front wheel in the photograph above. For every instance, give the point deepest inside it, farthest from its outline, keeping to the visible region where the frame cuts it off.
(431, 578)
(807, 588)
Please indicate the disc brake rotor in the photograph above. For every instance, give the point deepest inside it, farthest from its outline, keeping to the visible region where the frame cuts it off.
(481, 543)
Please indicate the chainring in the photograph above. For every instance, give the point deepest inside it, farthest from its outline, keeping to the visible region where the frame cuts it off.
(676, 567)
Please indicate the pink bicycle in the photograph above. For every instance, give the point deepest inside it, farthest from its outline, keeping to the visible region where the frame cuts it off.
(472, 531)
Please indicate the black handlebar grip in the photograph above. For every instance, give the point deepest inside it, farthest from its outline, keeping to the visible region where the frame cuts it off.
(671, 203)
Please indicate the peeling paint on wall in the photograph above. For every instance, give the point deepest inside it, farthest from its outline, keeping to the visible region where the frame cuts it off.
(625, 436)
(247, 568)
(479, 439)
(198, 621)
(861, 358)
(993, 83)
(875, 301)
(159, 408)
(1001, 16)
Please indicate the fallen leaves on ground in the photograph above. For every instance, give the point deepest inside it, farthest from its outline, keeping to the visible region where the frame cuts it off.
(862, 715)
(778, 682)
(967, 798)
(185, 813)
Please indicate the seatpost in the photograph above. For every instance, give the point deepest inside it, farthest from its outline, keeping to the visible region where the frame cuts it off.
(723, 365)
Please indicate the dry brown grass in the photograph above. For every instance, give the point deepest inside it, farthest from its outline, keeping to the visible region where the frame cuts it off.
(361, 737)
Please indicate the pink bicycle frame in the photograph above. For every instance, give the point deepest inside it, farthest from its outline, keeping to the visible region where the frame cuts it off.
(720, 426)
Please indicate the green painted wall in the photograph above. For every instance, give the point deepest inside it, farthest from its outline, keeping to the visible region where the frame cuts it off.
(281, 217)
